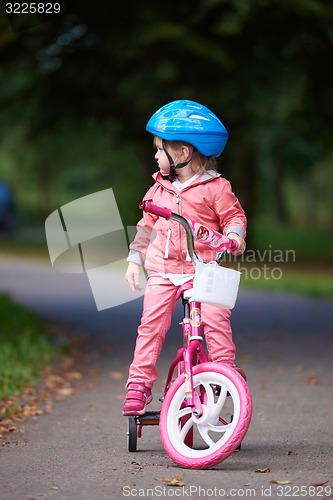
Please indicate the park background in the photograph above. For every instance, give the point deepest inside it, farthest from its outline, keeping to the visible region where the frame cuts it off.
(77, 88)
(76, 91)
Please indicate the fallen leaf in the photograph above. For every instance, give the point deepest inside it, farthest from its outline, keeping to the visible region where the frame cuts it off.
(53, 487)
(30, 391)
(19, 442)
(68, 362)
(7, 428)
(275, 481)
(137, 464)
(174, 481)
(65, 391)
(18, 418)
(6, 421)
(318, 484)
(312, 379)
(90, 386)
(48, 408)
(36, 401)
(31, 410)
(115, 375)
(264, 469)
(73, 375)
(54, 381)
(290, 453)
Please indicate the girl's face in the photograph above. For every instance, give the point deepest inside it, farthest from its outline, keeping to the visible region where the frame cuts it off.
(161, 157)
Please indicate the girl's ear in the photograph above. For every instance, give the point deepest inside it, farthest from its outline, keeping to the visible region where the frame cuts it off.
(185, 152)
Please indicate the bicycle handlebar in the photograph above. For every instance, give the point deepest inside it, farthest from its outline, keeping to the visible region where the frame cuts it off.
(215, 240)
(146, 206)
(233, 244)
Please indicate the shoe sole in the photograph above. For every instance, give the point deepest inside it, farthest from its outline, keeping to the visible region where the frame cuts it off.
(135, 413)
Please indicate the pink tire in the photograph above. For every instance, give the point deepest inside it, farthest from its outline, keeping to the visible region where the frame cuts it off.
(227, 410)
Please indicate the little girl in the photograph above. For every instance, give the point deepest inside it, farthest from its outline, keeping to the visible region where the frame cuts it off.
(188, 137)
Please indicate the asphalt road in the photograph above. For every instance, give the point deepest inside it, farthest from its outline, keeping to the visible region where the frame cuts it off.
(78, 452)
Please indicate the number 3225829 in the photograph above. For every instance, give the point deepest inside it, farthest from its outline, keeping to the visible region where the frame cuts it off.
(32, 8)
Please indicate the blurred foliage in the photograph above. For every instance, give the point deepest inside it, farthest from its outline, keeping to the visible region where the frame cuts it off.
(25, 348)
(316, 282)
(76, 93)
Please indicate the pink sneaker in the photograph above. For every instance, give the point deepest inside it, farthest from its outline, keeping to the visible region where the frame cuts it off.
(137, 397)
(238, 368)
(241, 372)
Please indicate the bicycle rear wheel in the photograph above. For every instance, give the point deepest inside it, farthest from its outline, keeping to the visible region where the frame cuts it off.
(227, 410)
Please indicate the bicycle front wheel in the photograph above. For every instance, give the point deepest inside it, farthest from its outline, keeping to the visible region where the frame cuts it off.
(227, 409)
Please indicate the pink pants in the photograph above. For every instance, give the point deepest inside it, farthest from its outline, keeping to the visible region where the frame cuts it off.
(158, 307)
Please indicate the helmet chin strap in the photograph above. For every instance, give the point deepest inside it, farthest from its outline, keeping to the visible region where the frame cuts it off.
(173, 175)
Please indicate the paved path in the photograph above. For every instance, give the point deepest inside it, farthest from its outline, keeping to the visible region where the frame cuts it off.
(78, 452)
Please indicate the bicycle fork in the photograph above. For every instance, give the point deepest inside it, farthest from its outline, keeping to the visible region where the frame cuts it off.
(193, 352)
(189, 355)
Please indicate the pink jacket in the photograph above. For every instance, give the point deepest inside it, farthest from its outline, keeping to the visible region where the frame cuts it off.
(162, 243)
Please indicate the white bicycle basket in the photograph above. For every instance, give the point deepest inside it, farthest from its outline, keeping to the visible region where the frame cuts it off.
(215, 284)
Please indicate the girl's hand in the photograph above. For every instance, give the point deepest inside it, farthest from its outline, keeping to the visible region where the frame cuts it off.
(240, 241)
(132, 276)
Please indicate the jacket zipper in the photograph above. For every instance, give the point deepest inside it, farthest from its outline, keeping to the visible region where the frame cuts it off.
(166, 255)
(166, 251)
(180, 232)
(178, 202)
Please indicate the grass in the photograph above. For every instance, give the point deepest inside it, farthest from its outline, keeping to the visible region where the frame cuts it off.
(286, 259)
(299, 279)
(25, 348)
(309, 244)
(11, 246)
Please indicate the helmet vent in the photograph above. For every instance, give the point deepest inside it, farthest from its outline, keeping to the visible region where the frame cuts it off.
(197, 117)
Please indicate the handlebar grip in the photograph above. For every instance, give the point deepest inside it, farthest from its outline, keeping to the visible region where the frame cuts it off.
(146, 206)
(233, 245)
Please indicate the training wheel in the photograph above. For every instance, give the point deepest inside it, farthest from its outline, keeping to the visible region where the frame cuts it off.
(132, 434)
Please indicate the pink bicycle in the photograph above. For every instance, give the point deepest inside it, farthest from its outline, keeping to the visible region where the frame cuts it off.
(206, 409)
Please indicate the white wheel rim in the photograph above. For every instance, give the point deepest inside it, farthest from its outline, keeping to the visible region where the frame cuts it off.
(212, 433)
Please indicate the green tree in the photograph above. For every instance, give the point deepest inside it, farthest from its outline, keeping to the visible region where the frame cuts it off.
(264, 67)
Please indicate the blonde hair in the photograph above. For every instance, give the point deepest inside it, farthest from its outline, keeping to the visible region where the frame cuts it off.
(205, 162)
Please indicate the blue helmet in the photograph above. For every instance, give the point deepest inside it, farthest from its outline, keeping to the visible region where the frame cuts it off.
(190, 122)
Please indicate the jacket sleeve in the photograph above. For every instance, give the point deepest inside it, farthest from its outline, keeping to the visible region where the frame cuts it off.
(144, 234)
(229, 210)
